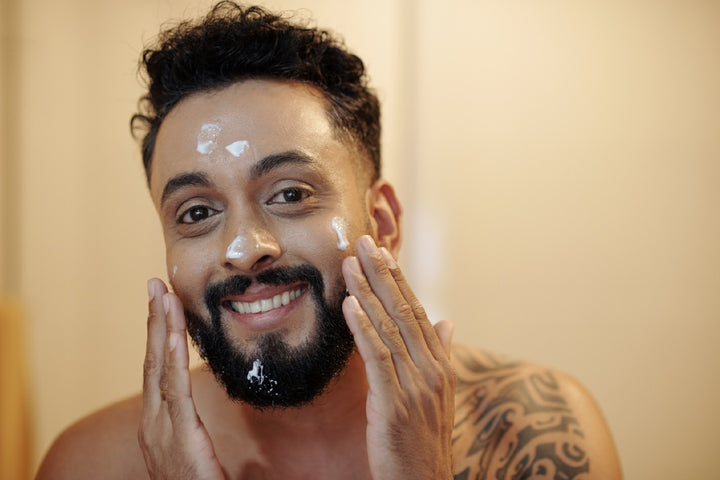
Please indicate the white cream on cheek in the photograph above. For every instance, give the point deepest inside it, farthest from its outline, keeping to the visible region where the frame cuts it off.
(207, 138)
(340, 226)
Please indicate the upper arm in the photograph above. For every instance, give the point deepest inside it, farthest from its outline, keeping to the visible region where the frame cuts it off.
(64, 460)
(524, 421)
(598, 441)
(103, 445)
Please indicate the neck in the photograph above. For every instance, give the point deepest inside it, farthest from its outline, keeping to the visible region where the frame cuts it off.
(327, 435)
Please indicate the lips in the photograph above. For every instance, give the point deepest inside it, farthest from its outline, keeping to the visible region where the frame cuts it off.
(266, 304)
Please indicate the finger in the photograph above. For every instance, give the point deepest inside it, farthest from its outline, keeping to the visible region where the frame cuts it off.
(374, 352)
(386, 289)
(179, 392)
(444, 330)
(430, 336)
(387, 329)
(154, 349)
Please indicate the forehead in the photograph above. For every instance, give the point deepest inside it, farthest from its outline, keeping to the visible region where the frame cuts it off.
(252, 120)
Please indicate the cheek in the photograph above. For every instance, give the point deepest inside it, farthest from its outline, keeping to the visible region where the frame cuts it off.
(326, 240)
(187, 272)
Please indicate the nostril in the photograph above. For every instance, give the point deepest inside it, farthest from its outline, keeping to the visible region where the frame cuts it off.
(265, 259)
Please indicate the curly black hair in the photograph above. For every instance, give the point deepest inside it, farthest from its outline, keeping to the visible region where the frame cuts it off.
(235, 43)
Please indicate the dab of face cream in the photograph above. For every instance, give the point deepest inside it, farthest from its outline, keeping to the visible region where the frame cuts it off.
(207, 138)
(236, 249)
(174, 271)
(238, 148)
(256, 374)
(340, 226)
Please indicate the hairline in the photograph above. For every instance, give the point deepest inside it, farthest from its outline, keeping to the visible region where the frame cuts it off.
(363, 163)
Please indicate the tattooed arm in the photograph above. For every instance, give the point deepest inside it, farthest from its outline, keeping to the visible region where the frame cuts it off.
(521, 421)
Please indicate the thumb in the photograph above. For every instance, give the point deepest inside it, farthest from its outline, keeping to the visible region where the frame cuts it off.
(444, 330)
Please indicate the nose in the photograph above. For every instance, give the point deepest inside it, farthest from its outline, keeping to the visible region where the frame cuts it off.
(251, 250)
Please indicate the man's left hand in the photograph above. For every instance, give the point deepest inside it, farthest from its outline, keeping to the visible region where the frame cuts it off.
(410, 403)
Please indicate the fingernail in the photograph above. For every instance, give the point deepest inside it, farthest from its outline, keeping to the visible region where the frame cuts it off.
(173, 341)
(353, 302)
(354, 265)
(389, 260)
(166, 303)
(151, 289)
(367, 243)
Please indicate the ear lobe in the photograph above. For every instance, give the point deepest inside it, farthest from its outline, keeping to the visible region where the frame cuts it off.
(385, 210)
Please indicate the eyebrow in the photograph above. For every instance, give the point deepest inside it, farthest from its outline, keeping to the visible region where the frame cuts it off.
(271, 162)
(183, 180)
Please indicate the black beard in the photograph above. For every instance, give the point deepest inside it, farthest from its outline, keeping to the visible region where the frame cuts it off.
(276, 374)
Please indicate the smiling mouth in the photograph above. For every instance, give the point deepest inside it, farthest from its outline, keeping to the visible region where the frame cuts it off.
(267, 304)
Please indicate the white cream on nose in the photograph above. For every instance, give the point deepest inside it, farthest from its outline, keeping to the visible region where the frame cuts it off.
(239, 248)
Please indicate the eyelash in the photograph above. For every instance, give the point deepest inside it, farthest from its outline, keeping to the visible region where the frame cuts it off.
(208, 212)
(303, 193)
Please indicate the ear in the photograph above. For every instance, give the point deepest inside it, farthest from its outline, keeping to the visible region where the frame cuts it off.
(385, 211)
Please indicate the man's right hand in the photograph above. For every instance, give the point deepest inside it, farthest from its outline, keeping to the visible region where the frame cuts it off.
(172, 437)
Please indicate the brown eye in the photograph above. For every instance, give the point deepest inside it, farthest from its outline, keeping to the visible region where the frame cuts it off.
(293, 195)
(290, 195)
(196, 214)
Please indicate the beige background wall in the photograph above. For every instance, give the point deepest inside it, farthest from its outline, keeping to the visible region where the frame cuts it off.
(559, 163)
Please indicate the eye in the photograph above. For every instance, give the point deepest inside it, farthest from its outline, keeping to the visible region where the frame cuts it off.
(196, 214)
(290, 195)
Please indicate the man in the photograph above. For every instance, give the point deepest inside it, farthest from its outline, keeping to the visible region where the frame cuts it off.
(261, 150)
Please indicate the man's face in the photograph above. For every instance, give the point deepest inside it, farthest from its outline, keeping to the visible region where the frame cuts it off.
(258, 196)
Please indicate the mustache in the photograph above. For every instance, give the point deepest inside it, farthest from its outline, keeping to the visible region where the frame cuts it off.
(238, 284)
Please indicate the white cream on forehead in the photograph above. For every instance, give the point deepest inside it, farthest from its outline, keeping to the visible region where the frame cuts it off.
(174, 271)
(207, 138)
(238, 148)
(340, 226)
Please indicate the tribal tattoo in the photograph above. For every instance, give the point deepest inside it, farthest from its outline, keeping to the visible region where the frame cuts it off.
(512, 422)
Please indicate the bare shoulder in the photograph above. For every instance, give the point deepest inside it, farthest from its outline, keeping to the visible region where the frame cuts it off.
(101, 445)
(520, 420)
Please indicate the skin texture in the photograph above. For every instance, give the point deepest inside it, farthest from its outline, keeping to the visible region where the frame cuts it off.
(407, 406)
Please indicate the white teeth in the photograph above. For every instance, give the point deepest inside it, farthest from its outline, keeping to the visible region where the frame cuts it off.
(267, 304)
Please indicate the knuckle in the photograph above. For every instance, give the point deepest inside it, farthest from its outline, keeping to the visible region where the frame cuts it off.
(151, 364)
(382, 354)
(389, 331)
(436, 381)
(402, 416)
(378, 264)
(152, 315)
(418, 309)
(144, 437)
(441, 380)
(404, 312)
(365, 288)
